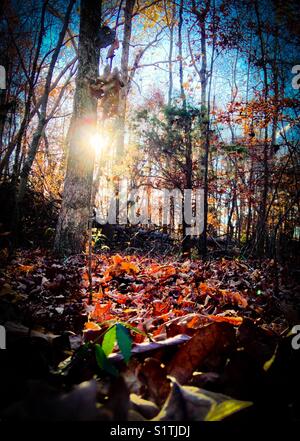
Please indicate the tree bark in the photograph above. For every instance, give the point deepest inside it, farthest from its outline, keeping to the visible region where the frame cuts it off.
(261, 231)
(171, 25)
(71, 232)
(128, 13)
(180, 24)
(205, 109)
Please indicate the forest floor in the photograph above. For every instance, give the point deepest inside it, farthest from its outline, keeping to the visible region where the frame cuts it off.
(204, 339)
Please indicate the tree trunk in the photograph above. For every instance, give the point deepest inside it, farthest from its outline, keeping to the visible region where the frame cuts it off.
(71, 232)
(261, 231)
(128, 11)
(171, 27)
(180, 24)
(186, 243)
(205, 108)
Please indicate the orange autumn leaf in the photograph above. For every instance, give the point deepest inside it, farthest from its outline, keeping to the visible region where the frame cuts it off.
(97, 295)
(117, 259)
(162, 272)
(178, 312)
(160, 308)
(138, 338)
(91, 326)
(166, 273)
(187, 303)
(158, 330)
(100, 312)
(154, 268)
(118, 268)
(180, 299)
(129, 267)
(121, 299)
(85, 276)
(107, 277)
(165, 317)
(194, 322)
(205, 289)
(236, 321)
(234, 297)
(26, 268)
(170, 271)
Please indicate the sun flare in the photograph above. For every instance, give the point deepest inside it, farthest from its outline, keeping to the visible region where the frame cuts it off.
(98, 142)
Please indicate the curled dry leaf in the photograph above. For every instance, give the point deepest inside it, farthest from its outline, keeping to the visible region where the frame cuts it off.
(235, 298)
(186, 324)
(187, 403)
(215, 338)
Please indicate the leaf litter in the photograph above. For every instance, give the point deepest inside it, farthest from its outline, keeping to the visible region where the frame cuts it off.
(157, 339)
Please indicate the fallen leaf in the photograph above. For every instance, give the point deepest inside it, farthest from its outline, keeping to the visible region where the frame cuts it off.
(236, 321)
(26, 268)
(146, 408)
(154, 377)
(92, 326)
(188, 403)
(129, 267)
(222, 410)
(101, 311)
(117, 259)
(212, 339)
(142, 348)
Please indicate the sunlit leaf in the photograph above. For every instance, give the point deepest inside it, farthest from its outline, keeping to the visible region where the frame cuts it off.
(91, 326)
(109, 341)
(236, 321)
(129, 267)
(101, 311)
(269, 363)
(26, 268)
(124, 341)
(222, 410)
(117, 259)
(134, 329)
(103, 362)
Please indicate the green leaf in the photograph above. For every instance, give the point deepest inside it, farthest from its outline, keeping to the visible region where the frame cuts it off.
(133, 328)
(103, 362)
(124, 341)
(220, 411)
(109, 340)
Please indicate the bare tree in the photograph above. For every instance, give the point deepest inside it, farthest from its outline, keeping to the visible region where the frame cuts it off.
(42, 119)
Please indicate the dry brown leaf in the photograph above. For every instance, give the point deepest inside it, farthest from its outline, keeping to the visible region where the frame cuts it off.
(188, 403)
(154, 377)
(212, 339)
(144, 407)
(142, 348)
